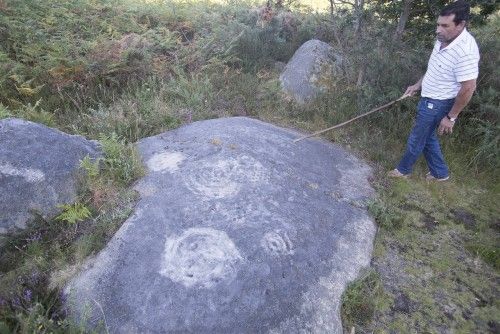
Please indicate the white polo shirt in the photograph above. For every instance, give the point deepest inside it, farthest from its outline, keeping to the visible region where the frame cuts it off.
(450, 66)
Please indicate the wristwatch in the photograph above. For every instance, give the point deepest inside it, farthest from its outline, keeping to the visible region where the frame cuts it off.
(453, 119)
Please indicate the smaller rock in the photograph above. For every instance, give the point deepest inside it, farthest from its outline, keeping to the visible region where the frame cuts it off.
(37, 170)
(301, 79)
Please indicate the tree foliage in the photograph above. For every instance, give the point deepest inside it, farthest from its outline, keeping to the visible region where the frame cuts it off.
(423, 13)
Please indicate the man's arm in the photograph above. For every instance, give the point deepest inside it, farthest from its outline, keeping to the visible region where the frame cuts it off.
(411, 90)
(463, 97)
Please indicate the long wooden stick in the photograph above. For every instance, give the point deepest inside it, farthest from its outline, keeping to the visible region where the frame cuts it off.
(352, 119)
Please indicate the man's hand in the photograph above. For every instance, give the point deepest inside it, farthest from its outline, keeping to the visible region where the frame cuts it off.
(463, 97)
(413, 89)
(446, 126)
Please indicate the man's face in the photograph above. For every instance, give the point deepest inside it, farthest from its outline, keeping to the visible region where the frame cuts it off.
(447, 30)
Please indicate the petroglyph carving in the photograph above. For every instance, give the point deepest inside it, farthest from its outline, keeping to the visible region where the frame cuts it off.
(166, 161)
(224, 178)
(277, 243)
(201, 257)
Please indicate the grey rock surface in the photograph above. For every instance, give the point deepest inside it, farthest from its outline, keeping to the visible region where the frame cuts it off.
(300, 78)
(238, 230)
(37, 170)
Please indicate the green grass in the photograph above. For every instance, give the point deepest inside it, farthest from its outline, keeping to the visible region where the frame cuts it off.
(362, 299)
(436, 255)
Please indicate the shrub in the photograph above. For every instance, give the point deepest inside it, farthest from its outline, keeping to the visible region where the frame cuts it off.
(144, 108)
(480, 122)
(91, 168)
(35, 114)
(121, 161)
(269, 36)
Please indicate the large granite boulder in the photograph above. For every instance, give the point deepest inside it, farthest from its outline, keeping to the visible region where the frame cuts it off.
(238, 230)
(37, 170)
(301, 78)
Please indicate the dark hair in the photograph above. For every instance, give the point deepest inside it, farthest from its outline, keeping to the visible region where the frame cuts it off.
(460, 8)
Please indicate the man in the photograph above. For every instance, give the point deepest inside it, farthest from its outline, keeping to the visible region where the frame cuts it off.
(447, 88)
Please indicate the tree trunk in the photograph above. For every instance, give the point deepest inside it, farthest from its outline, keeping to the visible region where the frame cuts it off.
(402, 20)
(334, 28)
(361, 75)
(358, 11)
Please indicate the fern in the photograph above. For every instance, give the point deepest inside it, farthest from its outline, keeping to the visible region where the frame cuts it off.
(90, 167)
(73, 213)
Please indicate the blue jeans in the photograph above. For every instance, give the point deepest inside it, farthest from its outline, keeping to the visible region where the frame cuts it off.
(423, 138)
